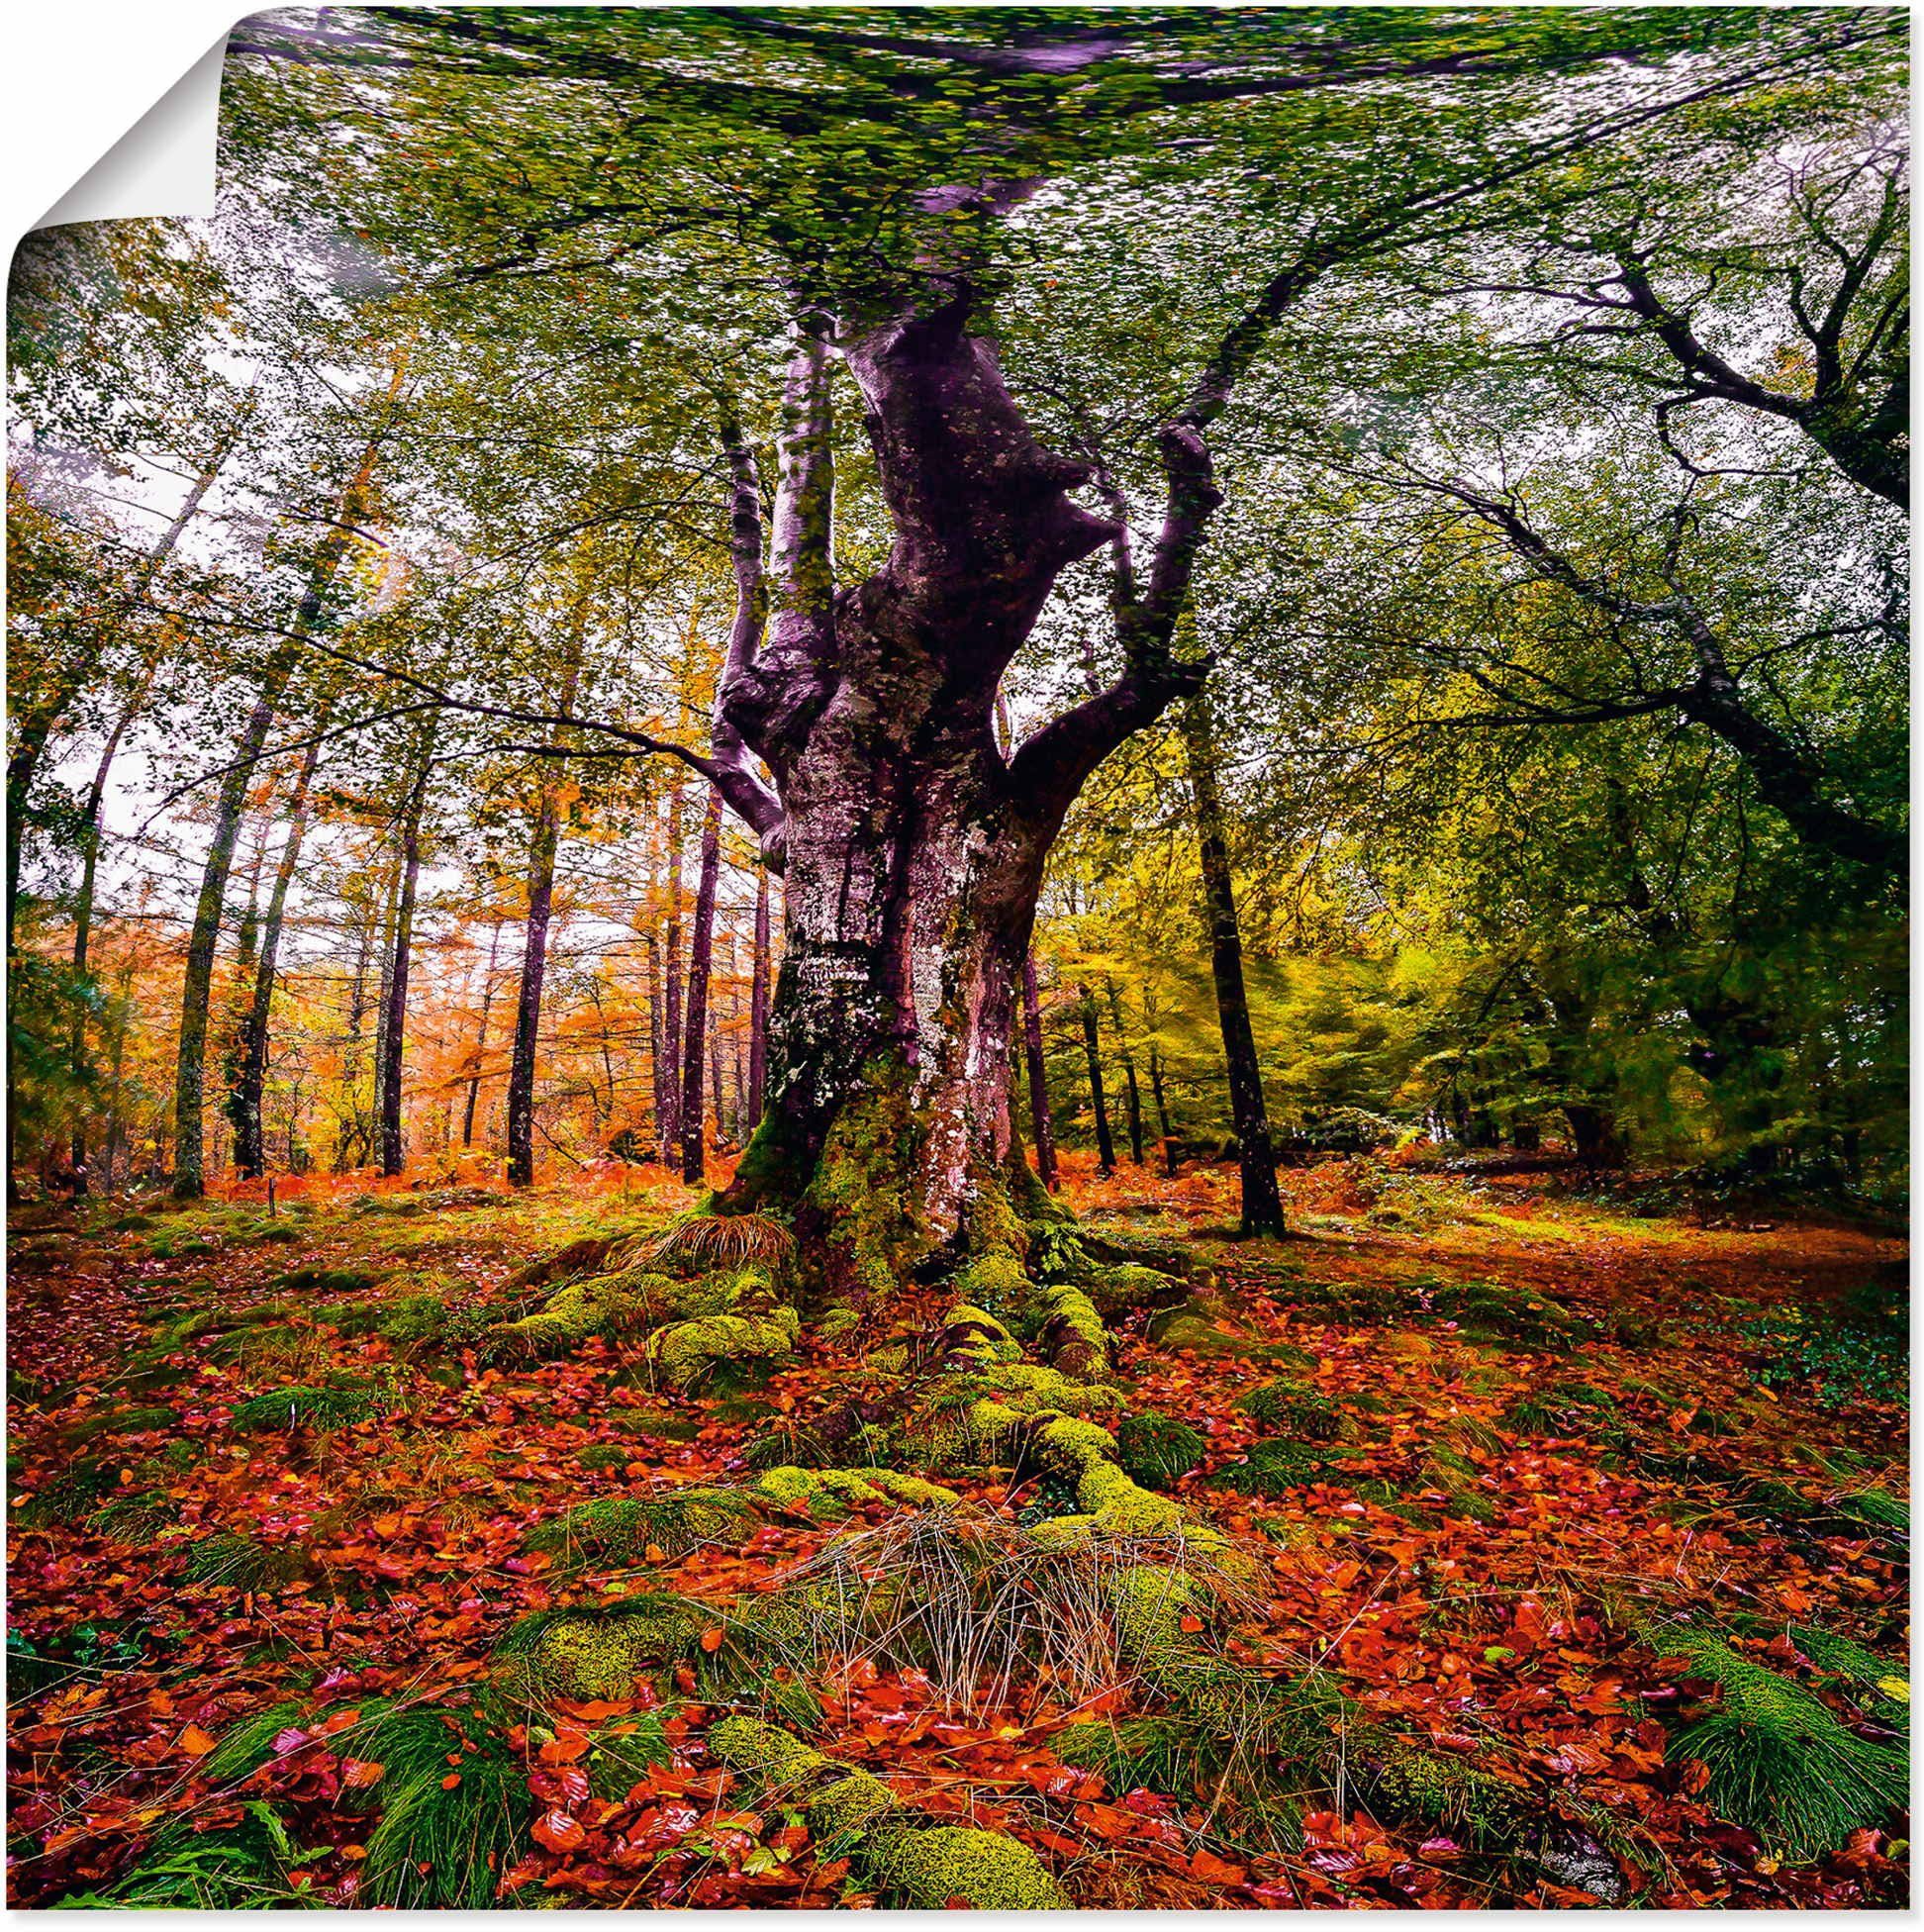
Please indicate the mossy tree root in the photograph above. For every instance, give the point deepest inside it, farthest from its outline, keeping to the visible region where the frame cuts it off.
(925, 1866)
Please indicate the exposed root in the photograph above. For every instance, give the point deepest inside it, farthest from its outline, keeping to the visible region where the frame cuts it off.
(926, 1867)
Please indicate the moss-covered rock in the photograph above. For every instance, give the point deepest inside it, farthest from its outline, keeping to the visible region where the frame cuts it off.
(930, 1869)
(1150, 1602)
(1448, 1793)
(972, 1337)
(995, 1283)
(1119, 1289)
(621, 1529)
(925, 1869)
(600, 1654)
(837, 1491)
(330, 1280)
(1503, 1316)
(607, 1304)
(682, 1353)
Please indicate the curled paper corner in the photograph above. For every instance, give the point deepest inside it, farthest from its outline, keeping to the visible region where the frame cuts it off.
(164, 164)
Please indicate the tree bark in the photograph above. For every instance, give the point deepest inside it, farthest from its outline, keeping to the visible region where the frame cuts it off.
(544, 843)
(701, 955)
(393, 1036)
(1262, 1202)
(83, 907)
(1038, 1075)
(370, 1128)
(348, 1134)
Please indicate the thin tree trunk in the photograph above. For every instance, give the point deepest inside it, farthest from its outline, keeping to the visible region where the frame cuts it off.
(699, 954)
(527, 1007)
(480, 1040)
(1131, 1092)
(393, 1149)
(384, 985)
(542, 848)
(190, 1077)
(669, 1104)
(1093, 1046)
(653, 946)
(197, 985)
(244, 1110)
(714, 1079)
(1262, 1202)
(1039, 1078)
(758, 1003)
(110, 1152)
(1162, 1110)
(608, 1063)
(347, 1133)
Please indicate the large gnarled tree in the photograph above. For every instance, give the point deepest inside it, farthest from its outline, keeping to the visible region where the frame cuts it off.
(870, 166)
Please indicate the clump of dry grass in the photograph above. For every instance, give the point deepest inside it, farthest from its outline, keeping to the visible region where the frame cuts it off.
(973, 1600)
(716, 1241)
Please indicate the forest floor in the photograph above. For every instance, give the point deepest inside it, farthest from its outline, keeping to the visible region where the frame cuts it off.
(1507, 1411)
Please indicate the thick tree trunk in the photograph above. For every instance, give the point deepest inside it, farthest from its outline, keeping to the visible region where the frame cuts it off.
(245, 1108)
(700, 954)
(1594, 1134)
(1038, 1075)
(1262, 1203)
(912, 844)
(394, 1034)
(668, 1070)
(758, 1004)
